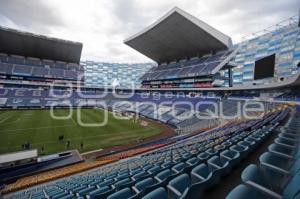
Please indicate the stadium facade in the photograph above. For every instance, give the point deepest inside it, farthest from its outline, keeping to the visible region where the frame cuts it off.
(283, 40)
(124, 75)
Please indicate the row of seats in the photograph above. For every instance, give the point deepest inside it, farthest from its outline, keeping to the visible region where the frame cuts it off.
(52, 175)
(278, 174)
(37, 62)
(34, 71)
(196, 67)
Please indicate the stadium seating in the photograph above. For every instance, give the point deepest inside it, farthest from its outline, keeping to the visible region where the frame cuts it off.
(33, 67)
(277, 176)
(194, 67)
(175, 168)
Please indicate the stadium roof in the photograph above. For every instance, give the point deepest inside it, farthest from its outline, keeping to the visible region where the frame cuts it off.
(31, 45)
(178, 35)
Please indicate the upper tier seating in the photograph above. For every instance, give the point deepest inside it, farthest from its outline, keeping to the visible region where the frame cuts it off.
(20, 66)
(188, 68)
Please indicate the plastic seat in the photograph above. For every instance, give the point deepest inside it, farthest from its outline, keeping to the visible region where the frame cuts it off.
(141, 175)
(186, 156)
(165, 176)
(102, 192)
(159, 193)
(122, 176)
(203, 156)
(179, 168)
(286, 142)
(136, 170)
(77, 189)
(280, 163)
(227, 144)
(289, 136)
(258, 139)
(281, 150)
(179, 186)
(192, 161)
(85, 191)
(241, 149)
(233, 157)
(292, 189)
(266, 180)
(167, 164)
(70, 196)
(145, 186)
(124, 193)
(219, 165)
(211, 151)
(252, 140)
(105, 183)
(251, 145)
(123, 183)
(201, 174)
(154, 170)
(246, 192)
(59, 195)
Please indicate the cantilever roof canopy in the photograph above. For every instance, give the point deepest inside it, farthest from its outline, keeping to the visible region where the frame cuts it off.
(39, 46)
(178, 35)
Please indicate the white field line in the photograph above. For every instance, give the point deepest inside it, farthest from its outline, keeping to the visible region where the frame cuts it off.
(3, 120)
(16, 121)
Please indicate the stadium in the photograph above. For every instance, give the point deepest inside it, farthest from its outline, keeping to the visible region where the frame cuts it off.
(207, 118)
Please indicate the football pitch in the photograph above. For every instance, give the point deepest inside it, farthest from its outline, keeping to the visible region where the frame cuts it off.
(41, 130)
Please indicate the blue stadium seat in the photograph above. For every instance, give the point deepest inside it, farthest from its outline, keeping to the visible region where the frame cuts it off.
(211, 151)
(233, 157)
(102, 192)
(59, 195)
(154, 170)
(165, 176)
(141, 175)
(179, 168)
(192, 161)
(203, 156)
(264, 179)
(85, 191)
(123, 183)
(287, 142)
(250, 145)
(292, 189)
(241, 149)
(289, 136)
(159, 193)
(282, 150)
(105, 183)
(124, 193)
(219, 165)
(246, 192)
(202, 174)
(280, 163)
(145, 186)
(179, 186)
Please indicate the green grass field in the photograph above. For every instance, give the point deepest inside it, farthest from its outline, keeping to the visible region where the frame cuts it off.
(39, 129)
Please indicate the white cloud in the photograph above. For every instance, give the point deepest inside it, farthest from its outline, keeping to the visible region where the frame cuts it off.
(102, 25)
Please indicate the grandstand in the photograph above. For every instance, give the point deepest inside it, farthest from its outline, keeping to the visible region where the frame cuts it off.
(181, 134)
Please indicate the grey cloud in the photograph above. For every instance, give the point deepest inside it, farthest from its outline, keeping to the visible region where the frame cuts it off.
(31, 15)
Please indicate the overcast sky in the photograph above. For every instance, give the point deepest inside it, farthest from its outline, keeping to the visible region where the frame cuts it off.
(102, 25)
